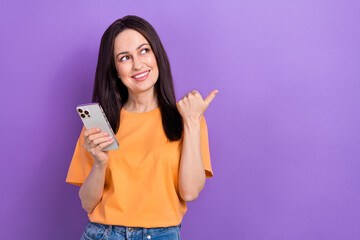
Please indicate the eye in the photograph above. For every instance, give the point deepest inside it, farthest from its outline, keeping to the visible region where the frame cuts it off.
(124, 58)
(145, 50)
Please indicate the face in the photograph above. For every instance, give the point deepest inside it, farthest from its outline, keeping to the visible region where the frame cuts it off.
(135, 62)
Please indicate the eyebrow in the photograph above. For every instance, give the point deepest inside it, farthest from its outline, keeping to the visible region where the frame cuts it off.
(126, 52)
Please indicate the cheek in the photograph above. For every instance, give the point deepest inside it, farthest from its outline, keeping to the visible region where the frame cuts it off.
(151, 61)
(155, 68)
(123, 69)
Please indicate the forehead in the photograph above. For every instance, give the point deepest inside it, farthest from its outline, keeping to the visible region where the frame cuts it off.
(128, 40)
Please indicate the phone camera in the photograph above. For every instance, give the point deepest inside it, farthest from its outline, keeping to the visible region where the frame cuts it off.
(80, 110)
(82, 115)
(86, 112)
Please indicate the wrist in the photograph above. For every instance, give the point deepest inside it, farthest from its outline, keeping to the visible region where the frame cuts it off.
(100, 164)
(192, 123)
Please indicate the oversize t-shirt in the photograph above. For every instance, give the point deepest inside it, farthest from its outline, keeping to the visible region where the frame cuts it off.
(141, 181)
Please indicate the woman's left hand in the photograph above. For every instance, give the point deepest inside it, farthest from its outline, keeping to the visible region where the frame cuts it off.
(192, 107)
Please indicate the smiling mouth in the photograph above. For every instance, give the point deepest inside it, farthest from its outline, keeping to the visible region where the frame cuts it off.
(141, 76)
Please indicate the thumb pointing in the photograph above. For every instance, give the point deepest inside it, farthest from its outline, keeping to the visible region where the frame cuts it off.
(211, 97)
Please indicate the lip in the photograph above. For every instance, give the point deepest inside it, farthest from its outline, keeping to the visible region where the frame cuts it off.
(142, 78)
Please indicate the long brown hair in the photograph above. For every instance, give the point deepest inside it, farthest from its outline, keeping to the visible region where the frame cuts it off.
(112, 94)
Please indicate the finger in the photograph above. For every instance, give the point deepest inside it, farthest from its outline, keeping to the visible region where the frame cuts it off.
(94, 146)
(184, 99)
(194, 92)
(101, 140)
(91, 131)
(211, 97)
(104, 144)
(94, 136)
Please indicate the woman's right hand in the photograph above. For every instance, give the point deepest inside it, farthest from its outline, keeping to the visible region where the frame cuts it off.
(95, 142)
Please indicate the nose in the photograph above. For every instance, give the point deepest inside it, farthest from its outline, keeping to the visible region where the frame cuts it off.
(137, 64)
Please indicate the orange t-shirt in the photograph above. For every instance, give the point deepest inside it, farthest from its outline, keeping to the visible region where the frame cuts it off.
(141, 181)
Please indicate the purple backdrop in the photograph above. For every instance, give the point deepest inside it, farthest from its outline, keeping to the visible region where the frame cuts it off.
(284, 128)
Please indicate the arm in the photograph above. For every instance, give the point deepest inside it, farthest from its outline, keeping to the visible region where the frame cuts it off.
(92, 189)
(191, 171)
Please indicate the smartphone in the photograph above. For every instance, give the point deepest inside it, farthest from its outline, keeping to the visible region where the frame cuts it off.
(92, 115)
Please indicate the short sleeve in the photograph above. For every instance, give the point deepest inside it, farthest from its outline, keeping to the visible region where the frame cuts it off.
(81, 163)
(205, 152)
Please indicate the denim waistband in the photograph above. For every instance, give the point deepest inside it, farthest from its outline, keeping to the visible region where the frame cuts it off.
(134, 230)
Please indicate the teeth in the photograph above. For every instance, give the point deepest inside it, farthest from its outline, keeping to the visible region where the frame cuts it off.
(141, 75)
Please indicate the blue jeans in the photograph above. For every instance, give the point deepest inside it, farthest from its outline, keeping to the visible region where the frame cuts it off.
(100, 231)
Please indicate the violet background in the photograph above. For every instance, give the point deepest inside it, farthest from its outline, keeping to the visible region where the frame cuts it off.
(283, 129)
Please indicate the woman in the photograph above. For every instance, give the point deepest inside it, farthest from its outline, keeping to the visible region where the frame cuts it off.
(140, 190)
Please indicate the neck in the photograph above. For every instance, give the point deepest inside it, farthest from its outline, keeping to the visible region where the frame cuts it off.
(141, 102)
